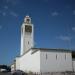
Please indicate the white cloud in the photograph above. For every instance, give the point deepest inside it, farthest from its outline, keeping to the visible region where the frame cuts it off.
(64, 38)
(73, 28)
(68, 6)
(73, 12)
(0, 27)
(13, 2)
(0, 11)
(46, 1)
(13, 14)
(7, 1)
(55, 13)
(6, 7)
(4, 14)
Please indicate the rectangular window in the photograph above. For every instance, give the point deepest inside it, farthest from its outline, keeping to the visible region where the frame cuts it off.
(28, 42)
(46, 57)
(65, 56)
(56, 56)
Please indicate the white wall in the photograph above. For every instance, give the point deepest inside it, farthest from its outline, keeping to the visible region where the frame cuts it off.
(46, 61)
(30, 62)
(55, 61)
(17, 63)
(25, 38)
(73, 65)
(12, 67)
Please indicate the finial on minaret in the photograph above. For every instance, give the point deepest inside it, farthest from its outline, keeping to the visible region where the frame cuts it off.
(27, 20)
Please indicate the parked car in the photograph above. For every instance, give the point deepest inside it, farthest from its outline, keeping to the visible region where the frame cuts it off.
(5, 68)
(18, 72)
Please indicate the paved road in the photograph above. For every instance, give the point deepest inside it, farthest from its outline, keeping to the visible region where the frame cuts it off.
(5, 73)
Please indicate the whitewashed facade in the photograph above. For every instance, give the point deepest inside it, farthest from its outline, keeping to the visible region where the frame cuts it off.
(30, 62)
(41, 59)
(46, 60)
(27, 31)
(55, 60)
(12, 67)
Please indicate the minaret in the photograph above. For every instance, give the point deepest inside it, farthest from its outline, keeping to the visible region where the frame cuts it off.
(26, 35)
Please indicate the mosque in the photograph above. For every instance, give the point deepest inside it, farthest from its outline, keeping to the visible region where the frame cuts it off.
(41, 59)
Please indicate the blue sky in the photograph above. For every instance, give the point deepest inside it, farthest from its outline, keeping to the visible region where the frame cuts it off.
(54, 23)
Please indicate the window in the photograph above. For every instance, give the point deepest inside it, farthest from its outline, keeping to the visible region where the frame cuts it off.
(28, 20)
(28, 28)
(56, 56)
(22, 30)
(65, 56)
(28, 42)
(46, 57)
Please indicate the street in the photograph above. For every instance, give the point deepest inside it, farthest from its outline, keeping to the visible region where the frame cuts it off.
(5, 73)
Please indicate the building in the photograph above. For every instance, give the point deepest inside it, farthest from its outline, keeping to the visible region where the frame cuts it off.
(41, 59)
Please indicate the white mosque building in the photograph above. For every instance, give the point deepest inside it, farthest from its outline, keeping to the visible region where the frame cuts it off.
(41, 59)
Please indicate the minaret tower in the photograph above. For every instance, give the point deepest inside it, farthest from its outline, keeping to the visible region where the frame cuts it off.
(26, 35)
